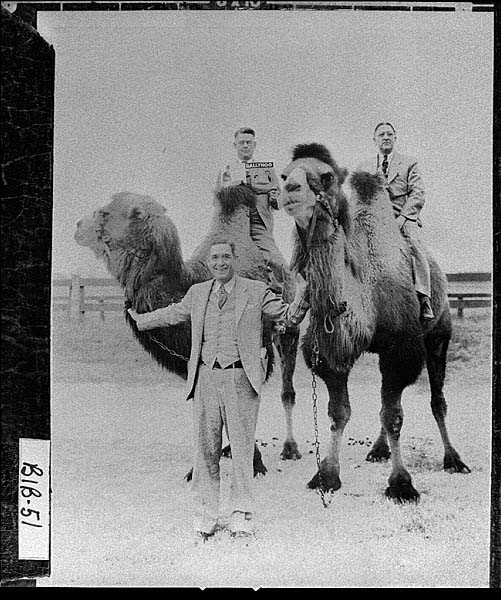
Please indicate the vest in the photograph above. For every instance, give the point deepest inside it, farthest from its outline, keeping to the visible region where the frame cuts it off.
(219, 341)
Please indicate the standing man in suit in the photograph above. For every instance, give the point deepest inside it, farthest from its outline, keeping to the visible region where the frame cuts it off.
(226, 369)
(405, 188)
(261, 218)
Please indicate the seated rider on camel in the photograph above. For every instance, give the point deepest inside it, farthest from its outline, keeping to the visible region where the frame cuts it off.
(261, 217)
(405, 188)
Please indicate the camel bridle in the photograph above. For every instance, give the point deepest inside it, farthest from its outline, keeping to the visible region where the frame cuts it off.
(321, 199)
(324, 204)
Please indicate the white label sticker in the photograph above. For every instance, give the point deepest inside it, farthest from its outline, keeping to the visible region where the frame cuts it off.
(34, 499)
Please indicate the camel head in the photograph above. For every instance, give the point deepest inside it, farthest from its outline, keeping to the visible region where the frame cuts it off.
(312, 187)
(134, 237)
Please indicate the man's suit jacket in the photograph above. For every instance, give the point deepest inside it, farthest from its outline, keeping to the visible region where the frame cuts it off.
(404, 184)
(253, 300)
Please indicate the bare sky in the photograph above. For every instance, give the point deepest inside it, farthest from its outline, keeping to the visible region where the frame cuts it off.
(148, 102)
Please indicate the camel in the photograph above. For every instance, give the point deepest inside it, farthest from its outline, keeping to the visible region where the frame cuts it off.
(140, 246)
(362, 299)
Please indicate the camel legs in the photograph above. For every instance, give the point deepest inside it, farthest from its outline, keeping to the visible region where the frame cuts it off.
(400, 486)
(339, 412)
(399, 368)
(436, 343)
(436, 348)
(380, 451)
(286, 344)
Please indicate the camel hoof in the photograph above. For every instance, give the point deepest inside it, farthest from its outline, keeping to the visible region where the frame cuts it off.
(189, 475)
(331, 484)
(379, 454)
(290, 451)
(454, 464)
(401, 490)
(260, 470)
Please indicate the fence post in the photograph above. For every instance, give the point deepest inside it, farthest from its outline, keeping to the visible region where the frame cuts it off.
(460, 307)
(74, 293)
(81, 300)
(101, 308)
(77, 297)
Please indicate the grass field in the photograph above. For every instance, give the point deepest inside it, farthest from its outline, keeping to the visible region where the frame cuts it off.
(121, 436)
(92, 344)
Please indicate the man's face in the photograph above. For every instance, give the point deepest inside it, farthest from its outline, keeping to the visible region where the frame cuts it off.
(245, 145)
(221, 262)
(384, 138)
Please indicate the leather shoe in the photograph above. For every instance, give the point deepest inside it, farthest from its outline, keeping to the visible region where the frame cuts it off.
(426, 310)
(240, 524)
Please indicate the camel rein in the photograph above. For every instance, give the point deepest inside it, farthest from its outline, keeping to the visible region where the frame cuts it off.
(314, 363)
(329, 328)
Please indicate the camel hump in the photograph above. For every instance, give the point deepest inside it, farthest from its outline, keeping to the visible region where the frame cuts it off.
(366, 185)
(137, 205)
(231, 197)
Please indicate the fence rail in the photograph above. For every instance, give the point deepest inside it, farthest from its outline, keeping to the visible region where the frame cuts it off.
(469, 300)
(77, 301)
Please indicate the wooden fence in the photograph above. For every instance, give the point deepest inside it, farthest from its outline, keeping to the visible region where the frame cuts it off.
(80, 298)
(78, 301)
(470, 296)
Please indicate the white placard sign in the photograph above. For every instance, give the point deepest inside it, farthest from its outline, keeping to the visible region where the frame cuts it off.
(34, 499)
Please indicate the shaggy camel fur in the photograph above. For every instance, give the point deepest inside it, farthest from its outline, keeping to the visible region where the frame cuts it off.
(140, 246)
(362, 298)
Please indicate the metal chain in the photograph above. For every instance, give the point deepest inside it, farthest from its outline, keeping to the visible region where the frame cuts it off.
(128, 304)
(314, 364)
(169, 350)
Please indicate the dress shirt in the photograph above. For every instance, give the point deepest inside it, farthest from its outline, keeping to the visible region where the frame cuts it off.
(228, 286)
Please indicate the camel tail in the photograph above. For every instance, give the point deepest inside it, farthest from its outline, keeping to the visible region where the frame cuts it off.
(365, 185)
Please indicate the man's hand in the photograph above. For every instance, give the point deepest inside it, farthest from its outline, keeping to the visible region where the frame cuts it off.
(301, 302)
(135, 315)
(140, 318)
(226, 176)
(273, 196)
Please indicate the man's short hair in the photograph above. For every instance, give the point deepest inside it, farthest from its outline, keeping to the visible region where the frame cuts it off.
(245, 130)
(216, 241)
(384, 123)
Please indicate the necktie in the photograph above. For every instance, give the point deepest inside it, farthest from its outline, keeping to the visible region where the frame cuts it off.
(223, 296)
(385, 165)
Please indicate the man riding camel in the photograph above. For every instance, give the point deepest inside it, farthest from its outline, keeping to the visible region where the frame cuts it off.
(261, 218)
(405, 187)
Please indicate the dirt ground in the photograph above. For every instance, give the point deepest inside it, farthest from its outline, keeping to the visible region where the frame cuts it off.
(121, 445)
